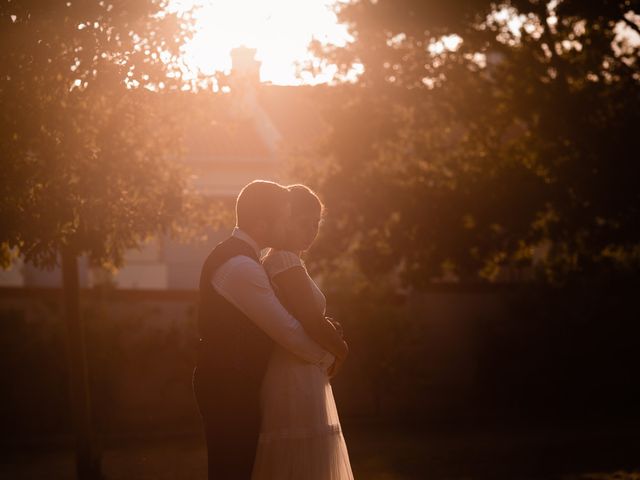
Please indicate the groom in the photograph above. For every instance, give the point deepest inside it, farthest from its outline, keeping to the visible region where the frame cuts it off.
(239, 319)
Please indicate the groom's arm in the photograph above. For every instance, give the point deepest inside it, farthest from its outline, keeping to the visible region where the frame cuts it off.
(244, 283)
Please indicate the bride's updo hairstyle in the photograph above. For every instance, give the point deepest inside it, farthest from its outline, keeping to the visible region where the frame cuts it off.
(304, 202)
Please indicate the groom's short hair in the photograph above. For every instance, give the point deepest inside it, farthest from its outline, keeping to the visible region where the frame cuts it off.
(259, 200)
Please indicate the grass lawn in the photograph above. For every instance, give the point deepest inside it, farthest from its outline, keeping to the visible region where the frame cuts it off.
(378, 452)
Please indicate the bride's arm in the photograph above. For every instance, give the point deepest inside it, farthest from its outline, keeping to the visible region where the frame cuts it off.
(295, 293)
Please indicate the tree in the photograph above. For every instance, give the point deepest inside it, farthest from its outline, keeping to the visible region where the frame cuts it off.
(89, 157)
(480, 137)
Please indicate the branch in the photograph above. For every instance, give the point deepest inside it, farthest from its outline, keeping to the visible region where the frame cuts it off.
(631, 24)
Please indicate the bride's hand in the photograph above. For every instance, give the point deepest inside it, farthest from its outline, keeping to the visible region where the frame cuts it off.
(336, 325)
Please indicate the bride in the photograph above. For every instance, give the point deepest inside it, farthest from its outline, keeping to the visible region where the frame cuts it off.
(300, 434)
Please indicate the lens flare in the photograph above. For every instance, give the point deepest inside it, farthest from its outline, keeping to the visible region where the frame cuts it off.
(279, 30)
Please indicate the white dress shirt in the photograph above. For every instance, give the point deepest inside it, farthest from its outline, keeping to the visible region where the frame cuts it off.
(244, 283)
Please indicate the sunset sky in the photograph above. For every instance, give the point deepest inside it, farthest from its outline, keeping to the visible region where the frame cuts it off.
(280, 30)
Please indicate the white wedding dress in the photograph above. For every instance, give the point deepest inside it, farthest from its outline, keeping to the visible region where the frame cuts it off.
(300, 434)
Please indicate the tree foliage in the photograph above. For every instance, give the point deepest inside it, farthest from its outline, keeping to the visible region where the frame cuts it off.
(89, 156)
(482, 138)
(89, 145)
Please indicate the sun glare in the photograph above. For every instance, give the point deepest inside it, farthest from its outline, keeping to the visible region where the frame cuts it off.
(279, 30)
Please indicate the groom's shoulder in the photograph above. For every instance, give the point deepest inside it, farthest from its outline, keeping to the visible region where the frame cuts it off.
(232, 246)
(244, 261)
(236, 254)
(241, 270)
(227, 250)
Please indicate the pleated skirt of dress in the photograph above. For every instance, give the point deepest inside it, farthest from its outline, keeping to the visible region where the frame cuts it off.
(300, 437)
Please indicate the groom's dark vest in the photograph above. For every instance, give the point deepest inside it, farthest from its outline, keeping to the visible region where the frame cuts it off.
(232, 349)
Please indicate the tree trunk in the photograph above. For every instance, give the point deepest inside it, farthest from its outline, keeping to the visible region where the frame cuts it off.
(87, 456)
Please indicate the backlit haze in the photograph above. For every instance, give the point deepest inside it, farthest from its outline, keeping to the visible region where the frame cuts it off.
(280, 31)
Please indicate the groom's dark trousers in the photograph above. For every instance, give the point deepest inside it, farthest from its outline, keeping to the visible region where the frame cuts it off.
(231, 360)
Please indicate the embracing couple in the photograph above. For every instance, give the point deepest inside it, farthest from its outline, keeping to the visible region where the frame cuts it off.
(267, 351)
